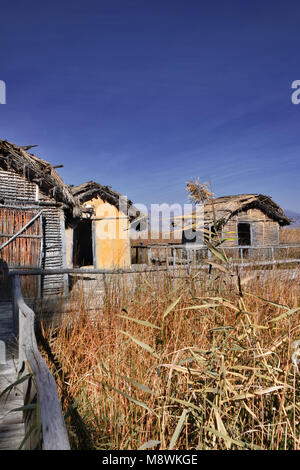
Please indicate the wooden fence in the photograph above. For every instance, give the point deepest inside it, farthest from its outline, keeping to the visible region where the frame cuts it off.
(44, 422)
(194, 255)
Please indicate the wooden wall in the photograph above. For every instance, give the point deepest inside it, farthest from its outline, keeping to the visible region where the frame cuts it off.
(16, 191)
(264, 231)
(54, 250)
(15, 187)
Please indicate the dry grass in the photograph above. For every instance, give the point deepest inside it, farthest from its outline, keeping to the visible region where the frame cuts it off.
(289, 235)
(201, 361)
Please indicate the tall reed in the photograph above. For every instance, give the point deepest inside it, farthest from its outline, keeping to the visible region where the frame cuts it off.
(176, 361)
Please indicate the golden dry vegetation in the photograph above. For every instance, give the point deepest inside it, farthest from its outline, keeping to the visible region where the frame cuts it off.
(289, 235)
(202, 361)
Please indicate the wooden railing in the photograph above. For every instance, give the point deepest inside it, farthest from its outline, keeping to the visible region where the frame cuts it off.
(193, 255)
(44, 422)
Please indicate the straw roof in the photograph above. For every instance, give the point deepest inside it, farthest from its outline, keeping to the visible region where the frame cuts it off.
(226, 207)
(223, 208)
(37, 170)
(87, 191)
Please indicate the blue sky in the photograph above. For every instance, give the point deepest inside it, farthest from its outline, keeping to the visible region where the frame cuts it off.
(144, 95)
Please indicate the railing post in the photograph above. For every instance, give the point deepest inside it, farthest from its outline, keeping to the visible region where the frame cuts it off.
(149, 256)
(188, 258)
(15, 308)
(167, 258)
(18, 318)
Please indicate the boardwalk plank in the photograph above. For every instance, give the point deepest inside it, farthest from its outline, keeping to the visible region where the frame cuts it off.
(11, 423)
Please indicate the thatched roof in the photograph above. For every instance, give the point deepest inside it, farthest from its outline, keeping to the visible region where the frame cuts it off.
(37, 170)
(225, 207)
(87, 191)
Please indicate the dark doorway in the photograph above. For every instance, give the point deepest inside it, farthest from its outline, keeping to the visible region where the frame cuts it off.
(83, 244)
(244, 234)
(210, 233)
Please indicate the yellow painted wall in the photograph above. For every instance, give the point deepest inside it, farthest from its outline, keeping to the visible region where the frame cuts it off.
(111, 231)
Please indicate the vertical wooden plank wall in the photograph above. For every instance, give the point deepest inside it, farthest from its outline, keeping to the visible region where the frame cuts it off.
(264, 231)
(16, 190)
(53, 250)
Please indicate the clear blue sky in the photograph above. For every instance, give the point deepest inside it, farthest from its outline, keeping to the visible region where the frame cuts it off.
(143, 95)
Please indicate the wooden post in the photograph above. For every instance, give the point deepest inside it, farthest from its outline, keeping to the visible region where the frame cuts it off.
(40, 282)
(64, 253)
(143, 255)
(167, 259)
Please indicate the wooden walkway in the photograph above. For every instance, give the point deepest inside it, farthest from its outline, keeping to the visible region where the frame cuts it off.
(11, 424)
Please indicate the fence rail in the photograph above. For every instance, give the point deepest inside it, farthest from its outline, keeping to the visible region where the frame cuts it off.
(159, 254)
(40, 391)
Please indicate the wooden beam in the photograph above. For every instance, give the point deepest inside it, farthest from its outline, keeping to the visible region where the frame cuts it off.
(144, 269)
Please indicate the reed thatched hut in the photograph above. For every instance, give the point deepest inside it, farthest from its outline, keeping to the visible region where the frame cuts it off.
(45, 223)
(35, 206)
(247, 219)
(101, 238)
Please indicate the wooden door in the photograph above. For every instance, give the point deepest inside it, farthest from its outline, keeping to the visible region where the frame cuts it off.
(24, 250)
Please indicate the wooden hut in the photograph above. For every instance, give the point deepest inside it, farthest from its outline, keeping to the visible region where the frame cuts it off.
(148, 247)
(101, 238)
(247, 219)
(35, 205)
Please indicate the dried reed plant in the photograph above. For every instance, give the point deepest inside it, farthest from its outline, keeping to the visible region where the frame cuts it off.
(199, 192)
(176, 361)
